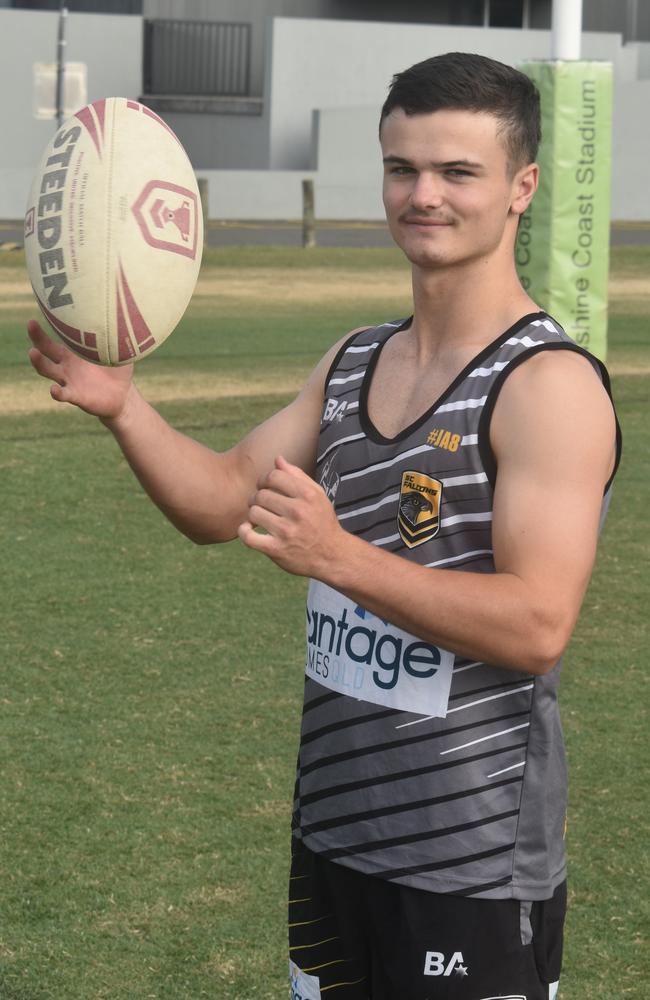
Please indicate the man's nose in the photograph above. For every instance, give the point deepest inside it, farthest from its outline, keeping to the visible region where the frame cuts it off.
(426, 192)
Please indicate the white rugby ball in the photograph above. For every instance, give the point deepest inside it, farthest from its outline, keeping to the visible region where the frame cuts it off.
(114, 231)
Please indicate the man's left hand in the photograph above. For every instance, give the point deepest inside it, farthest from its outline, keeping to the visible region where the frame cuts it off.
(301, 532)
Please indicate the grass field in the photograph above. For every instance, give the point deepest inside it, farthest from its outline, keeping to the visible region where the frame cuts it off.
(151, 689)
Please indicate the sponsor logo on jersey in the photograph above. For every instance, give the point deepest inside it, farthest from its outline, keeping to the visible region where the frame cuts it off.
(334, 410)
(333, 643)
(437, 964)
(355, 653)
(440, 438)
(418, 518)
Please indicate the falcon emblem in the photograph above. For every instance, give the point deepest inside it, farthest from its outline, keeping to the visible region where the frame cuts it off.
(418, 517)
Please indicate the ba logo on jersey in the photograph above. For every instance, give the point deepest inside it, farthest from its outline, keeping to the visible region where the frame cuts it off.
(334, 410)
(418, 518)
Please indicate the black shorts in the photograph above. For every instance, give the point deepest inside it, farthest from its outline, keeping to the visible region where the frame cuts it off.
(354, 937)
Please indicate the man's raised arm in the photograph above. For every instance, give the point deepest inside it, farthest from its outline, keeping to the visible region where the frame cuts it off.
(203, 493)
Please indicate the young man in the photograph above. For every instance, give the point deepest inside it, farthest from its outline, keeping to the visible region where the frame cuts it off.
(441, 481)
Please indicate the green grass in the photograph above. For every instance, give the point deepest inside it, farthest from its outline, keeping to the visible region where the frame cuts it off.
(353, 258)
(151, 697)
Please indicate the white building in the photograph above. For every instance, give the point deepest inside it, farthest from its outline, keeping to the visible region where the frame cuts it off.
(261, 97)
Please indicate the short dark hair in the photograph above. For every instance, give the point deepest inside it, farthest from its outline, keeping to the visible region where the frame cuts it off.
(464, 81)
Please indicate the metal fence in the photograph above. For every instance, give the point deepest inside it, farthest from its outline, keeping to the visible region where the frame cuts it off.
(211, 58)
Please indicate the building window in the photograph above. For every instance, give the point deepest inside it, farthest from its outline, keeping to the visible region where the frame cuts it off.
(507, 13)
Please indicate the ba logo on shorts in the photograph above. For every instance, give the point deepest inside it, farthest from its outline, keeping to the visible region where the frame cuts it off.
(418, 519)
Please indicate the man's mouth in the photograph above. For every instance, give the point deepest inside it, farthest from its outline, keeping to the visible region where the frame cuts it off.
(424, 220)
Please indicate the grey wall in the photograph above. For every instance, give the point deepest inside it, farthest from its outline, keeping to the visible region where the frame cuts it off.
(109, 45)
(349, 177)
(331, 73)
(222, 141)
(255, 194)
(329, 64)
(255, 12)
(631, 152)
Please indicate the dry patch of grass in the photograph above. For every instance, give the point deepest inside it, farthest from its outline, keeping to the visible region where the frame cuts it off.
(620, 287)
(258, 285)
(251, 286)
(29, 394)
(289, 286)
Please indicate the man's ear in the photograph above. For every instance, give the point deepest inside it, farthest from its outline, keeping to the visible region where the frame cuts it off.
(524, 186)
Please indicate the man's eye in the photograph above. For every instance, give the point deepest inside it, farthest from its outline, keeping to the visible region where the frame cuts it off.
(401, 171)
(457, 172)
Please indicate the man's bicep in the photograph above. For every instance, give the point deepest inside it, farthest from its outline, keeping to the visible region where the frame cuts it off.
(291, 432)
(553, 435)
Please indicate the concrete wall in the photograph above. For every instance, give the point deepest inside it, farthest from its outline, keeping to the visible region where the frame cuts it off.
(328, 64)
(255, 194)
(258, 13)
(349, 177)
(111, 47)
(326, 81)
(222, 141)
(255, 12)
(347, 173)
(643, 60)
(631, 152)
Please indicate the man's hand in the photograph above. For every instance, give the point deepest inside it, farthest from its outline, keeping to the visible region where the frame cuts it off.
(303, 535)
(97, 389)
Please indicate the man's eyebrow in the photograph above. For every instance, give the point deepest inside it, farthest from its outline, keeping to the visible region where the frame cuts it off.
(460, 163)
(439, 165)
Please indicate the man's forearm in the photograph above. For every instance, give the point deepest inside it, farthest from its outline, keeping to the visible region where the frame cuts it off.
(517, 621)
(191, 484)
(495, 618)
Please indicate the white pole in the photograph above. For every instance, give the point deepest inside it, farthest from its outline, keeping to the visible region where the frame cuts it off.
(566, 29)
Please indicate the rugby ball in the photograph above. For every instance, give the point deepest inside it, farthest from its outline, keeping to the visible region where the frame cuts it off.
(114, 232)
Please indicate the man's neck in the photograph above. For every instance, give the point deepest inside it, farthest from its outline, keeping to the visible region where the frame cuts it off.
(464, 308)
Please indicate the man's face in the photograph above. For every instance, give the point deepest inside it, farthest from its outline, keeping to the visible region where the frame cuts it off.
(449, 194)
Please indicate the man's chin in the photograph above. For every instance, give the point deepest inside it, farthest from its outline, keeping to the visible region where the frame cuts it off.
(427, 258)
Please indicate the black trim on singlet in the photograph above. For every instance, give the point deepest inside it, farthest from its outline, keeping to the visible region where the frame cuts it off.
(465, 529)
(368, 846)
(467, 859)
(406, 741)
(402, 807)
(394, 483)
(342, 508)
(343, 348)
(367, 425)
(488, 457)
(386, 779)
(473, 890)
(320, 700)
(515, 685)
(334, 727)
